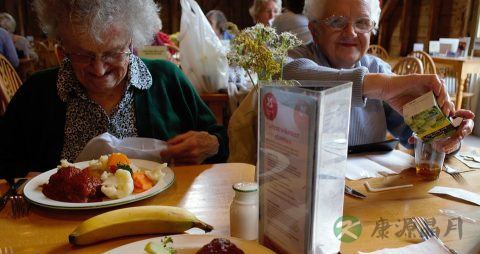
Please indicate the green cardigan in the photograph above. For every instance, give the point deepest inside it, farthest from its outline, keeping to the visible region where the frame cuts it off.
(32, 129)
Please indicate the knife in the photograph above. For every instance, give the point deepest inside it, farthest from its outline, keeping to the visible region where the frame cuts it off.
(12, 190)
(353, 192)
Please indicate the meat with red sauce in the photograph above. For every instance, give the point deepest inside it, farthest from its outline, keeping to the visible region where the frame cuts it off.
(75, 185)
(219, 246)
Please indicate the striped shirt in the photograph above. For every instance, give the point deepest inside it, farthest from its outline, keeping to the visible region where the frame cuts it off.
(370, 119)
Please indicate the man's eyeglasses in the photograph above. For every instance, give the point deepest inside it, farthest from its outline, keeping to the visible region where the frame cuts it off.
(360, 25)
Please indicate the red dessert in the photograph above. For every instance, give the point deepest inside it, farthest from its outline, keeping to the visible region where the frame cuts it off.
(219, 246)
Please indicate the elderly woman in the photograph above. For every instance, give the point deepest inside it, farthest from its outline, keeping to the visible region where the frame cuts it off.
(102, 87)
(219, 24)
(265, 11)
(341, 31)
(24, 50)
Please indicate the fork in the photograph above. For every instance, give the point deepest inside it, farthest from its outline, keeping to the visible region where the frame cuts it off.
(454, 173)
(426, 232)
(20, 207)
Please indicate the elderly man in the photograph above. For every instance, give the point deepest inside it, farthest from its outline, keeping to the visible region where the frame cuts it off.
(341, 33)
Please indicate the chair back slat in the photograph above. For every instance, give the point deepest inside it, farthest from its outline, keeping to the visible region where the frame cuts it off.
(378, 51)
(427, 61)
(9, 83)
(408, 65)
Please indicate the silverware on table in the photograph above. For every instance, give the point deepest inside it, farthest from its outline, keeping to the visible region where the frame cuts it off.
(454, 173)
(11, 191)
(354, 193)
(426, 232)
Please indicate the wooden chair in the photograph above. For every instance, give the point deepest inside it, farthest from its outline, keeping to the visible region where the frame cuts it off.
(408, 65)
(378, 51)
(463, 92)
(9, 83)
(46, 55)
(427, 61)
(218, 104)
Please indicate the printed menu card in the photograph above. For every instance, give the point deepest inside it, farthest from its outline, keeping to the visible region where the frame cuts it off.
(302, 151)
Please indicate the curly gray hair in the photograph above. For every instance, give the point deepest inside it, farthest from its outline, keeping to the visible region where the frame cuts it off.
(257, 7)
(138, 18)
(313, 10)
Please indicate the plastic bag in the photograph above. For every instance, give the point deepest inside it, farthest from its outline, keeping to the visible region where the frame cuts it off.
(202, 55)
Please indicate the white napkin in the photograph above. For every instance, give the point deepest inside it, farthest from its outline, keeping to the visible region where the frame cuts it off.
(432, 245)
(133, 147)
(377, 164)
(457, 193)
(470, 164)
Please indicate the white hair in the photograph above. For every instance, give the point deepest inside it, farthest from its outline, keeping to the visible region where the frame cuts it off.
(7, 22)
(313, 9)
(257, 7)
(137, 18)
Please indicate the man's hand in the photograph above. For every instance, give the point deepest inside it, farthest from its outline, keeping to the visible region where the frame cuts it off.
(398, 90)
(192, 147)
(452, 143)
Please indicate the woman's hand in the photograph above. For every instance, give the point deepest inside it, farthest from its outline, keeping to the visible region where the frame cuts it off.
(192, 147)
(452, 143)
(398, 90)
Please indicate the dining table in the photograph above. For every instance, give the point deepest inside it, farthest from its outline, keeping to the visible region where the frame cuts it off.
(206, 190)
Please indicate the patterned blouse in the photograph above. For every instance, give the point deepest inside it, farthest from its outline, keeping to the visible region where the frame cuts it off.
(85, 119)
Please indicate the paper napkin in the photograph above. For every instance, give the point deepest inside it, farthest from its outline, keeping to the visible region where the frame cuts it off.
(377, 164)
(470, 164)
(133, 147)
(457, 193)
(432, 245)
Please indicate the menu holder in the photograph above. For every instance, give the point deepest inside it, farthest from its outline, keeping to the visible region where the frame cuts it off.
(302, 151)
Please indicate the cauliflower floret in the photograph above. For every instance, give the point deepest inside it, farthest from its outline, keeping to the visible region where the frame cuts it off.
(65, 164)
(117, 185)
(100, 164)
(157, 173)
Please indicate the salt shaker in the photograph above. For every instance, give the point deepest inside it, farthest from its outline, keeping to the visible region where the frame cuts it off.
(244, 211)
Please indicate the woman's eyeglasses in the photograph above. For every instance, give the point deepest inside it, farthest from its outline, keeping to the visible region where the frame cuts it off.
(360, 25)
(110, 57)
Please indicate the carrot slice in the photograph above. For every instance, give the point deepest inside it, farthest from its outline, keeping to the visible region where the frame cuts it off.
(141, 182)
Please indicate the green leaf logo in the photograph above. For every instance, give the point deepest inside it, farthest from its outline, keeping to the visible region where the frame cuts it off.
(347, 228)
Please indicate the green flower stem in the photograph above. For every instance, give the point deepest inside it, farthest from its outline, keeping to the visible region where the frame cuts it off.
(251, 79)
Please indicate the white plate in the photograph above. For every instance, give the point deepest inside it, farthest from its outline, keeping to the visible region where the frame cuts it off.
(33, 189)
(190, 244)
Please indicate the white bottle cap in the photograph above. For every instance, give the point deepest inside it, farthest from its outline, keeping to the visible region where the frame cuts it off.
(245, 187)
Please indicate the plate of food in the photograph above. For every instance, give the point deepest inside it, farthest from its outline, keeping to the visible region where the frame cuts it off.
(192, 244)
(111, 180)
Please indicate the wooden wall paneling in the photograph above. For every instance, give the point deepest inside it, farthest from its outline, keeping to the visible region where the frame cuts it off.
(388, 20)
(235, 11)
(467, 14)
(474, 24)
(434, 25)
(444, 19)
(408, 25)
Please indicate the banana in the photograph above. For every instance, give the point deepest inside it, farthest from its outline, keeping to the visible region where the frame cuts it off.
(135, 221)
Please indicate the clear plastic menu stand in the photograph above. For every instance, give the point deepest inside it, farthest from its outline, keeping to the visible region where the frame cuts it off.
(302, 151)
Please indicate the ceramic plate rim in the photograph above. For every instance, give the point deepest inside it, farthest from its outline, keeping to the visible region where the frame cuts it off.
(37, 198)
(143, 243)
